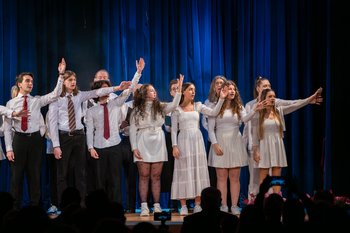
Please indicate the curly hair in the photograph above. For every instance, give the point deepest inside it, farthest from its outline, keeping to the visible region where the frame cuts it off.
(139, 104)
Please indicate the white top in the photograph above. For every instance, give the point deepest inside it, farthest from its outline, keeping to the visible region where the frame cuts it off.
(147, 135)
(95, 123)
(35, 119)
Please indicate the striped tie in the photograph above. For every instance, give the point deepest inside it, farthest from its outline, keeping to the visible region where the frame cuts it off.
(71, 113)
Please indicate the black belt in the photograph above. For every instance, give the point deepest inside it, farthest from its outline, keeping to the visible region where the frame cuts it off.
(27, 134)
(72, 133)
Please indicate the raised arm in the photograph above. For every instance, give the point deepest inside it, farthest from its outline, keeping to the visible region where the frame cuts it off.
(53, 96)
(315, 98)
(169, 107)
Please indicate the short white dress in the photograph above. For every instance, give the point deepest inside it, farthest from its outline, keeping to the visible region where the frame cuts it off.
(272, 150)
(225, 131)
(191, 174)
(147, 134)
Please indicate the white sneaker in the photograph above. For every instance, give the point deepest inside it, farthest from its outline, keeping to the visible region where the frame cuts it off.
(235, 210)
(197, 208)
(144, 210)
(224, 208)
(184, 210)
(157, 208)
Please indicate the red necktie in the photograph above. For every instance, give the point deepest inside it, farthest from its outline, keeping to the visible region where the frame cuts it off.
(105, 121)
(24, 122)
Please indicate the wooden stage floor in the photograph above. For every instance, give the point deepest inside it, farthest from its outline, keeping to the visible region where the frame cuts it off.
(173, 225)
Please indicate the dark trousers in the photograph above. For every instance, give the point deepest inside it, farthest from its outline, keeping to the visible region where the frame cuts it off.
(71, 168)
(28, 152)
(108, 172)
(130, 173)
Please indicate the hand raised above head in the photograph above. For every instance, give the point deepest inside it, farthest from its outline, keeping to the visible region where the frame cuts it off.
(140, 65)
(180, 81)
(62, 66)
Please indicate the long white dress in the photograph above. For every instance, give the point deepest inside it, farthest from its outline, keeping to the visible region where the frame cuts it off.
(225, 131)
(147, 134)
(272, 150)
(191, 174)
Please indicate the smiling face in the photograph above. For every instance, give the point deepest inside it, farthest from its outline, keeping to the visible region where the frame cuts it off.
(101, 75)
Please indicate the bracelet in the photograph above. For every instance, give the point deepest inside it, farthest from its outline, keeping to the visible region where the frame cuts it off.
(61, 74)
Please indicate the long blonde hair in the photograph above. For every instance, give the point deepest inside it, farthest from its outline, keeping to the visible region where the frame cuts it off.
(264, 111)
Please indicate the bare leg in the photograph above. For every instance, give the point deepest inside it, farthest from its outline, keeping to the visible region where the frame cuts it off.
(221, 184)
(235, 185)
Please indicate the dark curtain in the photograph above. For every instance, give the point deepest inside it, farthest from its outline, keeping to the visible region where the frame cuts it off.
(293, 43)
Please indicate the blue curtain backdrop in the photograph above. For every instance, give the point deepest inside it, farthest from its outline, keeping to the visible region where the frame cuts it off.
(290, 42)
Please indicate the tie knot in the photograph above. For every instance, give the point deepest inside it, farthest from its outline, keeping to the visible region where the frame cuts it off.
(69, 96)
(104, 104)
(25, 96)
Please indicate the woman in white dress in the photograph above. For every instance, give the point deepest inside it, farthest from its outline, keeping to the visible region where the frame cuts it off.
(228, 152)
(268, 145)
(147, 140)
(190, 168)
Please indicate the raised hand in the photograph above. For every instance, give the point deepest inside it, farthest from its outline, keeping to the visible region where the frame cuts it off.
(124, 85)
(140, 65)
(223, 92)
(180, 80)
(62, 66)
(317, 98)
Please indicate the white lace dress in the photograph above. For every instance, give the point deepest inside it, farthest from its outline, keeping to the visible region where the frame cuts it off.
(191, 174)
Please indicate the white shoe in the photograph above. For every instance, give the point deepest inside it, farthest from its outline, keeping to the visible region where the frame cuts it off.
(157, 208)
(144, 210)
(224, 208)
(183, 210)
(197, 208)
(235, 210)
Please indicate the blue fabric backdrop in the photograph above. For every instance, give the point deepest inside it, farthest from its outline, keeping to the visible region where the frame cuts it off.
(290, 42)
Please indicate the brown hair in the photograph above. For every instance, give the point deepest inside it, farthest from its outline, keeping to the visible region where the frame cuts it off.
(67, 74)
(235, 105)
(212, 96)
(19, 77)
(262, 116)
(140, 104)
(258, 81)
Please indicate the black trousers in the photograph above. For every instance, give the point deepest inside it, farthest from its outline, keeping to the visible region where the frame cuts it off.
(71, 168)
(108, 172)
(130, 173)
(28, 152)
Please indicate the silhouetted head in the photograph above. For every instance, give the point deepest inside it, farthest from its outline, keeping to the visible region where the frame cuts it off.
(211, 198)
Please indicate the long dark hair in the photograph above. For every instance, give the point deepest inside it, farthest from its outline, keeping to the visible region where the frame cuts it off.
(140, 104)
